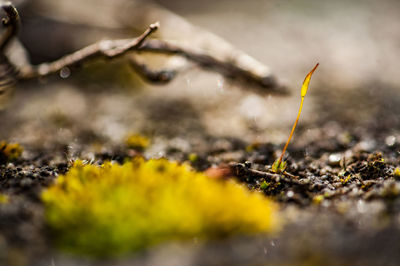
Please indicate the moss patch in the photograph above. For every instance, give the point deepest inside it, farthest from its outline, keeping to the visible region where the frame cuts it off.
(116, 209)
(137, 142)
(9, 152)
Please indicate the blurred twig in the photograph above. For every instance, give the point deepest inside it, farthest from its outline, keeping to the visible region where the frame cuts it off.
(110, 49)
(229, 69)
(113, 48)
(243, 171)
(104, 49)
(184, 39)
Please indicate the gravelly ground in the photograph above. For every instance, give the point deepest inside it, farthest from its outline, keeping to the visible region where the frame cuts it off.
(343, 207)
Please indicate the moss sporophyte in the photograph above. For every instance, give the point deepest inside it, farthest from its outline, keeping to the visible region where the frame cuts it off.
(280, 165)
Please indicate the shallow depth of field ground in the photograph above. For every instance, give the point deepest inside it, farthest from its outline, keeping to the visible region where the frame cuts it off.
(343, 207)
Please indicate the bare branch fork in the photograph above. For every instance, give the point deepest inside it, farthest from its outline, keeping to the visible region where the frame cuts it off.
(110, 49)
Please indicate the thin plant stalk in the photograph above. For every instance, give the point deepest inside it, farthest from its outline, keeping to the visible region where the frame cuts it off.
(304, 89)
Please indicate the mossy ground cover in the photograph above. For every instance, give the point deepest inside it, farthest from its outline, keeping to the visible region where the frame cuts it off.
(343, 204)
(351, 188)
(117, 209)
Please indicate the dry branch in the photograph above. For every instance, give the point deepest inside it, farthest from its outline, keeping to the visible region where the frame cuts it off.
(243, 171)
(113, 48)
(211, 51)
(229, 69)
(108, 49)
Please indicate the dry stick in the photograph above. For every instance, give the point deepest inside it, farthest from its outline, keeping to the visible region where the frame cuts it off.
(128, 14)
(228, 69)
(108, 49)
(242, 171)
(114, 48)
(104, 49)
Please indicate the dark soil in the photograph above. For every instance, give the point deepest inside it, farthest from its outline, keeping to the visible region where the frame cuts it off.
(340, 201)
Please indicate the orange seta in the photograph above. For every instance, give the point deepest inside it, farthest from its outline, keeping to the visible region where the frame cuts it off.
(304, 89)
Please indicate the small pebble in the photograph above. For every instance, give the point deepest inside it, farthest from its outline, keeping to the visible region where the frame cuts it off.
(334, 159)
(390, 141)
(26, 182)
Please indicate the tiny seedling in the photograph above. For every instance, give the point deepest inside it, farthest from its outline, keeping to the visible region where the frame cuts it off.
(280, 165)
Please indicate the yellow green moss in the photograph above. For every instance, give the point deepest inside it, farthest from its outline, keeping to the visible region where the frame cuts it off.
(318, 199)
(253, 146)
(396, 173)
(116, 209)
(137, 142)
(3, 198)
(193, 157)
(264, 185)
(9, 151)
(278, 166)
(345, 179)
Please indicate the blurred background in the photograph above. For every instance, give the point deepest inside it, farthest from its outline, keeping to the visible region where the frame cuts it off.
(356, 42)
